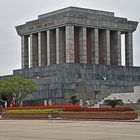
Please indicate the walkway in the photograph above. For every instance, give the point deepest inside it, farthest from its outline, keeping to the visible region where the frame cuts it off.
(68, 130)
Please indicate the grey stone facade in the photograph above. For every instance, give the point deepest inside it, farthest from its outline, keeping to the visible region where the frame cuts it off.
(60, 82)
(77, 51)
(66, 44)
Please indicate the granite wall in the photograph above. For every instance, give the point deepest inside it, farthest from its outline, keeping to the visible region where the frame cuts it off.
(60, 82)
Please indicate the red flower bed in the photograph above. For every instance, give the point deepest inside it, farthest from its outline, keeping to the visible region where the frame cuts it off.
(99, 109)
(70, 107)
(1, 109)
(66, 106)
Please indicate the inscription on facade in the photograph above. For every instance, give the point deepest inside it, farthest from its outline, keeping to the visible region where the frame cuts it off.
(40, 24)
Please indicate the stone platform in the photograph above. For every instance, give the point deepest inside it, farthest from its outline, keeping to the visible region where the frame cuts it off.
(60, 82)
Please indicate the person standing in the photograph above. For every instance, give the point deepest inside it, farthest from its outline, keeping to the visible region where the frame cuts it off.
(88, 103)
(81, 103)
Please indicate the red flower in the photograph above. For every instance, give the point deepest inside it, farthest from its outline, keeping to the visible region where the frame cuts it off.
(70, 107)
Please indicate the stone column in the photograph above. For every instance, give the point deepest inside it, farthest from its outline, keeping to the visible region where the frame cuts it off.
(51, 47)
(48, 47)
(69, 44)
(42, 48)
(34, 50)
(82, 44)
(106, 46)
(117, 45)
(24, 52)
(60, 45)
(129, 49)
(95, 46)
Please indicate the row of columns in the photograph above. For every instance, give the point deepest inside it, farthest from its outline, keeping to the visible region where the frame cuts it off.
(71, 44)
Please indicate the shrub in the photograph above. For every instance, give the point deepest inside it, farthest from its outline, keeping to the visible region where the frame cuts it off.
(30, 111)
(44, 107)
(138, 101)
(99, 109)
(69, 107)
(1, 110)
(73, 100)
(113, 102)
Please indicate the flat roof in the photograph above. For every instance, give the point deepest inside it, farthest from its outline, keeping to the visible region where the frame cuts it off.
(77, 9)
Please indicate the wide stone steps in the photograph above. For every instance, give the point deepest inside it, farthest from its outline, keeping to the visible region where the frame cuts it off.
(126, 97)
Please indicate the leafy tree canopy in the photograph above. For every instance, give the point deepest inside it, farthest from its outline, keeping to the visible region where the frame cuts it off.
(1, 101)
(73, 100)
(138, 101)
(16, 88)
(113, 102)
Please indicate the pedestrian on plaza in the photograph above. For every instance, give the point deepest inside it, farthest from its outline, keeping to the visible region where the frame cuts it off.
(49, 117)
(88, 103)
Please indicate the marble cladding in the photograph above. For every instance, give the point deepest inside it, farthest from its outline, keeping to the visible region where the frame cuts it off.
(64, 80)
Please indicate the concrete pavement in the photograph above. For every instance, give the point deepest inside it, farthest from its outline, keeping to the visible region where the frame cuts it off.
(68, 130)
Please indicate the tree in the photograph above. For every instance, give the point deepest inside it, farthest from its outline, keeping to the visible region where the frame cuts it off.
(138, 101)
(113, 102)
(1, 101)
(14, 89)
(73, 100)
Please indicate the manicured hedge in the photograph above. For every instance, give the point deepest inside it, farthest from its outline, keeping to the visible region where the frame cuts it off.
(96, 112)
(69, 112)
(70, 107)
(31, 111)
(66, 106)
(0, 110)
(127, 115)
(99, 109)
(40, 111)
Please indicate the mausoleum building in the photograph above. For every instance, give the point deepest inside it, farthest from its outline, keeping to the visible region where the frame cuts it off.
(77, 51)
(76, 35)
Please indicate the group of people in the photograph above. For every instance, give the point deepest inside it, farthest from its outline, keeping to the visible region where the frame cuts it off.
(48, 103)
(82, 104)
(87, 103)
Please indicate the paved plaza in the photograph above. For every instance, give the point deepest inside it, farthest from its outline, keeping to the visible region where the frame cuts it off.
(68, 130)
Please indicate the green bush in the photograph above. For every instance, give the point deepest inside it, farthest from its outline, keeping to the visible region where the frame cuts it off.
(99, 112)
(1, 110)
(30, 111)
(113, 102)
(138, 101)
(73, 100)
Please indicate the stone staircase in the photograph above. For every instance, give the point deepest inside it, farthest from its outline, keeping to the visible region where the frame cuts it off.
(127, 98)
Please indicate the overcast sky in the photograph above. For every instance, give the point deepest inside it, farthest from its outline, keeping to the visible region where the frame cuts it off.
(16, 12)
